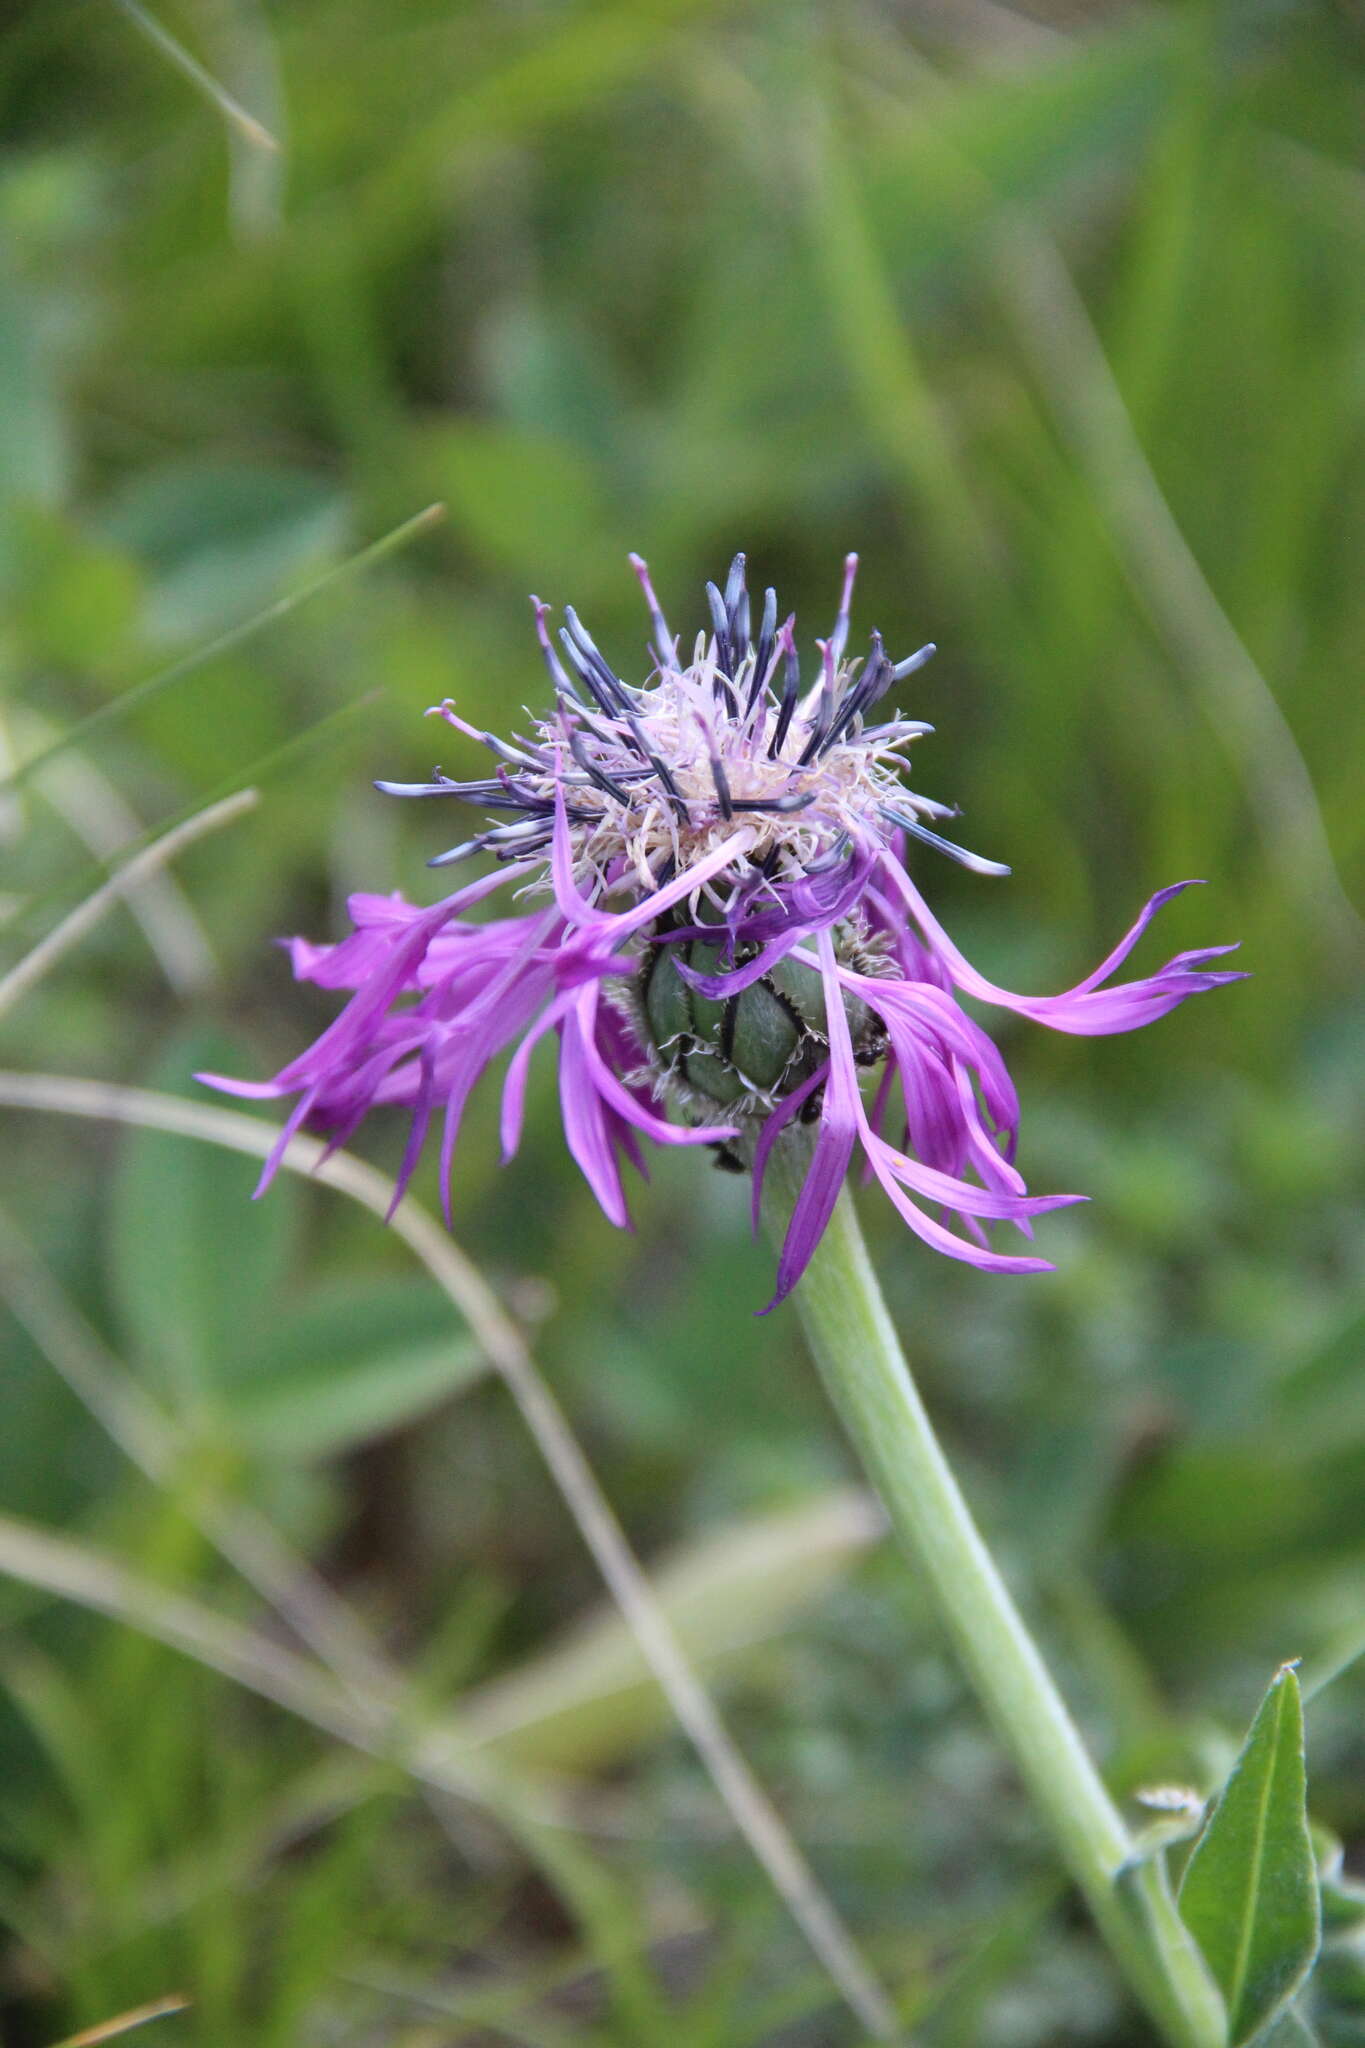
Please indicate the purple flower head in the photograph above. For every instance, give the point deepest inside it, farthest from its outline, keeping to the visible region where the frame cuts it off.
(720, 930)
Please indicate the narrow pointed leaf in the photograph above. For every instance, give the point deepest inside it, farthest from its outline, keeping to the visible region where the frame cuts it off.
(359, 1358)
(1250, 1891)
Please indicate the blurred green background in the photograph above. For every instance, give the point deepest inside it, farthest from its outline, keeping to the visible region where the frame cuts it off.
(1054, 312)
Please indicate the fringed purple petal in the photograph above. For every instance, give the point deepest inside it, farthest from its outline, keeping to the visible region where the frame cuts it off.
(963, 1197)
(940, 1056)
(1087, 1010)
(834, 1142)
(292, 1124)
(788, 809)
(635, 1113)
(881, 1157)
(650, 908)
(574, 907)
(775, 1124)
(913, 958)
(736, 979)
(623, 1052)
(585, 1122)
(514, 1087)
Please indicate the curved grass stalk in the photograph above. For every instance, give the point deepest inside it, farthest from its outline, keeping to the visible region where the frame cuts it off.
(26, 974)
(233, 112)
(152, 1442)
(1068, 358)
(95, 813)
(1166, 575)
(236, 636)
(127, 2022)
(443, 1765)
(752, 1811)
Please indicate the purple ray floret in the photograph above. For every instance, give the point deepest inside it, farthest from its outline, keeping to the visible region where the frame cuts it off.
(722, 937)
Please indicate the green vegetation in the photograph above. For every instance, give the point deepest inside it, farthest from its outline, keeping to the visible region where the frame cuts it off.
(1056, 316)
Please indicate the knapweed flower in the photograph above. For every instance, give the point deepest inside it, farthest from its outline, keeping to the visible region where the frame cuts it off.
(720, 929)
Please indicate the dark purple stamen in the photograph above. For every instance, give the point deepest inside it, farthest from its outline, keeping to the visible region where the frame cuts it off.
(606, 687)
(791, 690)
(663, 639)
(440, 785)
(592, 654)
(908, 822)
(720, 626)
(763, 655)
(737, 612)
(598, 688)
(558, 674)
(798, 801)
(501, 794)
(914, 661)
(662, 771)
(838, 639)
(508, 842)
(833, 857)
(872, 685)
(519, 757)
(604, 782)
(815, 745)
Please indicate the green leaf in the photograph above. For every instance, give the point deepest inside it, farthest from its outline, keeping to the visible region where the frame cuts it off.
(35, 453)
(589, 1699)
(529, 502)
(360, 1359)
(221, 539)
(195, 1266)
(1320, 1402)
(1250, 1890)
(76, 598)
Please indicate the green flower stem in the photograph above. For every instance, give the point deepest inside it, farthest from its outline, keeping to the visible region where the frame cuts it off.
(866, 1377)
